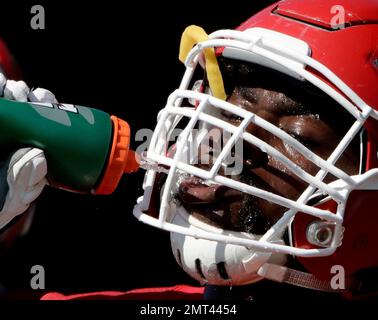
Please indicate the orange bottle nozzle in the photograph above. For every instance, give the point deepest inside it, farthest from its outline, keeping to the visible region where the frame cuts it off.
(132, 162)
(121, 159)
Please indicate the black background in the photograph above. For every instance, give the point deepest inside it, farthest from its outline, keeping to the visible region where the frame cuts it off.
(121, 57)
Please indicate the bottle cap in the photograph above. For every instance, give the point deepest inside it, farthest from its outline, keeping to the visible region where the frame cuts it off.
(121, 159)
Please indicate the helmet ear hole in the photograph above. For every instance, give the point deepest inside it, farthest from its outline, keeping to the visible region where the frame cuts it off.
(320, 233)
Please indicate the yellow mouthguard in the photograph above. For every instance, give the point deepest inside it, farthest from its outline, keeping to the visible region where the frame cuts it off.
(190, 37)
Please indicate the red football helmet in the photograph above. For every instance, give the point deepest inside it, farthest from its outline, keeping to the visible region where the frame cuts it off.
(335, 48)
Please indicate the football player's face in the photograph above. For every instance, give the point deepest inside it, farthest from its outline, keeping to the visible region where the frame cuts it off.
(320, 132)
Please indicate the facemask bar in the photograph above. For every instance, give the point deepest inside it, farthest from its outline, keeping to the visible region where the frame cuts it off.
(171, 114)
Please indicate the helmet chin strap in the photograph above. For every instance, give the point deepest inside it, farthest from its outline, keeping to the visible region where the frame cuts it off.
(357, 286)
(297, 278)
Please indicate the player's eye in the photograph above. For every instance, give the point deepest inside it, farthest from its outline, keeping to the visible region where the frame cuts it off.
(231, 116)
(307, 142)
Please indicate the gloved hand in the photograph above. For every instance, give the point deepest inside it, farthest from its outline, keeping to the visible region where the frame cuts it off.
(22, 179)
(22, 175)
(19, 91)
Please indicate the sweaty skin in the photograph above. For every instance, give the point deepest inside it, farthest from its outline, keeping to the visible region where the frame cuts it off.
(311, 125)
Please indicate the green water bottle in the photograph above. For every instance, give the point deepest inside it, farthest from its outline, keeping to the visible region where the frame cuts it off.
(87, 150)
